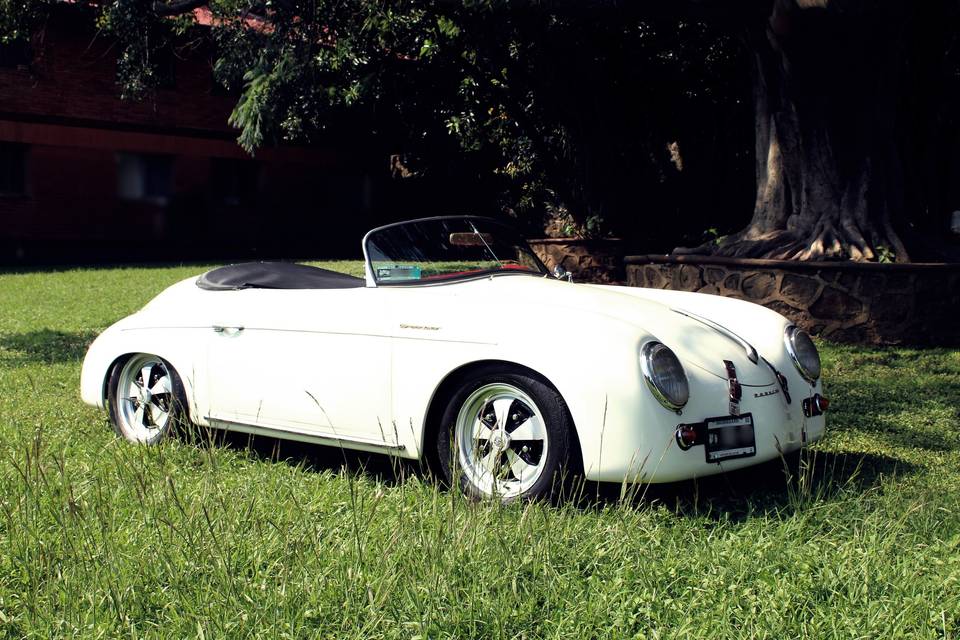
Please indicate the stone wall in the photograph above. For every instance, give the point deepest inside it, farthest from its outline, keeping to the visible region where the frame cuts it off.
(599, 261)
(842, 301)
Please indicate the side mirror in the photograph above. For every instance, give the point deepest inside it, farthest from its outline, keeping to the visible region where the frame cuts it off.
(562, 274)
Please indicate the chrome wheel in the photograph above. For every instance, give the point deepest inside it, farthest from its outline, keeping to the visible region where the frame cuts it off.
(501, 440)
(144, 399)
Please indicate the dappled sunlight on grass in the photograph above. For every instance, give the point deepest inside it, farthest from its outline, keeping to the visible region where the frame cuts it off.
(45, 346)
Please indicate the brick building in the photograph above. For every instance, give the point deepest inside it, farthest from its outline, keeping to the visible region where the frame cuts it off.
(87, 176)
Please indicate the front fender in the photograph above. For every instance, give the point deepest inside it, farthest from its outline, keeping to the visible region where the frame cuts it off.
(185, 349)
(599, 379)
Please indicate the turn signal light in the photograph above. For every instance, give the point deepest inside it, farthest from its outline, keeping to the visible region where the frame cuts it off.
(815, 406)
(686, 436)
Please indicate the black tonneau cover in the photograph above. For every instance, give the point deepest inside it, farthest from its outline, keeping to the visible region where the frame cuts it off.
(275, 275)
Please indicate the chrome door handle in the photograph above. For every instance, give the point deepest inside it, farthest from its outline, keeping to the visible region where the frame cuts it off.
(228, 330)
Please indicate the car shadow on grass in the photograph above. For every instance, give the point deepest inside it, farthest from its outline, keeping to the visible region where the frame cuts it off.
(773, 487)
(316, 458)
(44, 346)
(776, 486)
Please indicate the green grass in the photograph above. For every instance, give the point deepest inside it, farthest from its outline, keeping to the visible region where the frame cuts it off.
(99, 538)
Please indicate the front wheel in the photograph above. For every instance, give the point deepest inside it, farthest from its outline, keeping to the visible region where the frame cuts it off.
(505, 435)
(146, 398)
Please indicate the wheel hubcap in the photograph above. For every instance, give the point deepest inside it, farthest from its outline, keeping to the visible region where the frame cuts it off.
(144, 398)
(501, 440)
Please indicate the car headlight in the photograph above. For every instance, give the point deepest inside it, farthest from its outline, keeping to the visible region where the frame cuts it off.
(664, 375)
(803, 353)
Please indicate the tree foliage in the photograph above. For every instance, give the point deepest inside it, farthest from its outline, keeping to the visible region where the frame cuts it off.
(565, 110)
(587, 113)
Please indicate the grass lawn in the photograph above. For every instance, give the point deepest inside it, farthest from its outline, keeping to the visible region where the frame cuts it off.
(99, 538)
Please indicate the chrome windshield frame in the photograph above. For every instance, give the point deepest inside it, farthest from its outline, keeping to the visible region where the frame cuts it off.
(368, 264)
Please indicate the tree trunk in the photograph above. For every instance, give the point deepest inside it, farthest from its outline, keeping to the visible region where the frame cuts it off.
(828, 172)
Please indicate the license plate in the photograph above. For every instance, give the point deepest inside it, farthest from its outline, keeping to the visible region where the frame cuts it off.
(730, 437)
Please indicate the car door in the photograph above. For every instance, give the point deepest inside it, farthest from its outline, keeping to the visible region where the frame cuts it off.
(315, 362)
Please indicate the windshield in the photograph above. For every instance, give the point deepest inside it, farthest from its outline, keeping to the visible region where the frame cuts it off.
(440, 249)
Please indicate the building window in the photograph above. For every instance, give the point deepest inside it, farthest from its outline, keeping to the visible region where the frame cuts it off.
(144, 177)
(234, 182)
(13, 169)
(15, 54)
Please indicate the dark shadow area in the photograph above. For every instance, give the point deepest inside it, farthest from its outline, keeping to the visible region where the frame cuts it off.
(771, 487)
(45, 346)
(316, 458)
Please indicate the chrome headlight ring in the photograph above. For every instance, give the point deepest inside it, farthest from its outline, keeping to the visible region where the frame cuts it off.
(664, 375)
(802, 352)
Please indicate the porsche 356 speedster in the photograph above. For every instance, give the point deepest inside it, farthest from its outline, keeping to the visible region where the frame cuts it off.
(459, 347)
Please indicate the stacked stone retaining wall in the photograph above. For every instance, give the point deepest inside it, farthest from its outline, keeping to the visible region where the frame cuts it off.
(842, 301)
(588, 260)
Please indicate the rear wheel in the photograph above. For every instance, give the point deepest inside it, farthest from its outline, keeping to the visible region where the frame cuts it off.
(146, 398)
(506, 435)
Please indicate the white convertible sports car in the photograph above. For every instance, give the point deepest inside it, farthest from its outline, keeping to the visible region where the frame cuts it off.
(460, 347)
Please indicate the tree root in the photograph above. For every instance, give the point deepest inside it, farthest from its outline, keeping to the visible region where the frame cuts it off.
(739, 245)
(826, 242)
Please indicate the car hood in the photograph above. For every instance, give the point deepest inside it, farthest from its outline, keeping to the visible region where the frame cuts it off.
(694, 341)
